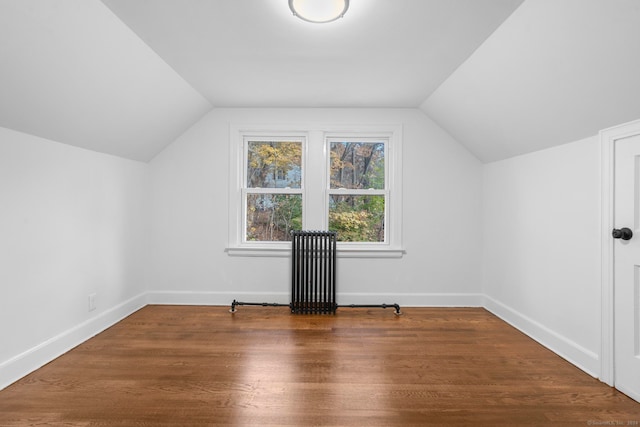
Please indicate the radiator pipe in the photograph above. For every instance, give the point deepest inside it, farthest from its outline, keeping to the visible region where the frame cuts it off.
(235, 303)
(396, 306)
(262, 304)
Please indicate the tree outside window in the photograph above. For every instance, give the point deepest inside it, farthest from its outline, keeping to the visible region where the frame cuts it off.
(357, 195)
(273, 197)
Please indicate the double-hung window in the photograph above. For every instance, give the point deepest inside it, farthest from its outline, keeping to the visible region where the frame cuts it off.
(272, 191)
(357, 192)
(317, 178)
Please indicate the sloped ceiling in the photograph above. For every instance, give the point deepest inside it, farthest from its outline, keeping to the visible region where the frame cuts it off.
(555, 72)
(126, 77)
(74, 73)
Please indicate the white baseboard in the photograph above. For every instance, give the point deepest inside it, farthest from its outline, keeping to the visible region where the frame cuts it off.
(24, 363)
(579, 356)
(632, 393)
(404, 300)
(214, 298)
(413, 299)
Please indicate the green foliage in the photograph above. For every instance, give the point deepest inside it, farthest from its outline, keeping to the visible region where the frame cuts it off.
(351, 226)
(357, 218)
(271, 217)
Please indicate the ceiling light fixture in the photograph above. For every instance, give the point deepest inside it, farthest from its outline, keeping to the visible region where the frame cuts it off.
(319, 11)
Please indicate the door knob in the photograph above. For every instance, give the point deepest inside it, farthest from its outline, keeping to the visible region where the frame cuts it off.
(622, 233)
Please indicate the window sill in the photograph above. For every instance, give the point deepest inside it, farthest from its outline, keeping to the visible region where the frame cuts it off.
(285, 252)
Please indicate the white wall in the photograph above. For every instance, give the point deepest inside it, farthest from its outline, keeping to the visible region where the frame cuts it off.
(520, 236)
(542, 247)
(441, 218)
(72, 222)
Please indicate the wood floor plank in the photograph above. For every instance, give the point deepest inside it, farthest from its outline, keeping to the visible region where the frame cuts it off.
(202, 366)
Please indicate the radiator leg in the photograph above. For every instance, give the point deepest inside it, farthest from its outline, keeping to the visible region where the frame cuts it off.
(396, 306)
(397, 312)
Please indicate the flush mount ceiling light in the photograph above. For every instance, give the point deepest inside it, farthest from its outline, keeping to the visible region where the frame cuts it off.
(319, 11)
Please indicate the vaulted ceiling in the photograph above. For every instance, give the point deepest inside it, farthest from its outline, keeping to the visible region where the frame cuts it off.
(555, 72)
(126, 77)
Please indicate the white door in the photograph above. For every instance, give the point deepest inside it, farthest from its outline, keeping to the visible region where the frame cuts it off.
(626, 251)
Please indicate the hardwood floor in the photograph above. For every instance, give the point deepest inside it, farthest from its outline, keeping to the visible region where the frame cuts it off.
(194, 366)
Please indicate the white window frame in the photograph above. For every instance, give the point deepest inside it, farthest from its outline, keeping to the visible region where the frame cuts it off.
(316, 139)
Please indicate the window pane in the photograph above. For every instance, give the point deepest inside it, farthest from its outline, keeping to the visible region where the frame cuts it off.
(274, 164)
(357, 165)
(270, 217)
(357, 218)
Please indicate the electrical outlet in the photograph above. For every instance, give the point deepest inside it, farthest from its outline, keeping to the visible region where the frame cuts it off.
(92, 301)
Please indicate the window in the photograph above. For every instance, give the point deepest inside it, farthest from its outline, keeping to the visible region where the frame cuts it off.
(357, 189)
(318, 178)
(272, 194)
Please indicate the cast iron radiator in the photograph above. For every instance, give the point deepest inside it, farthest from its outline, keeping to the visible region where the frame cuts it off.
(313, 276)
(313, 272)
